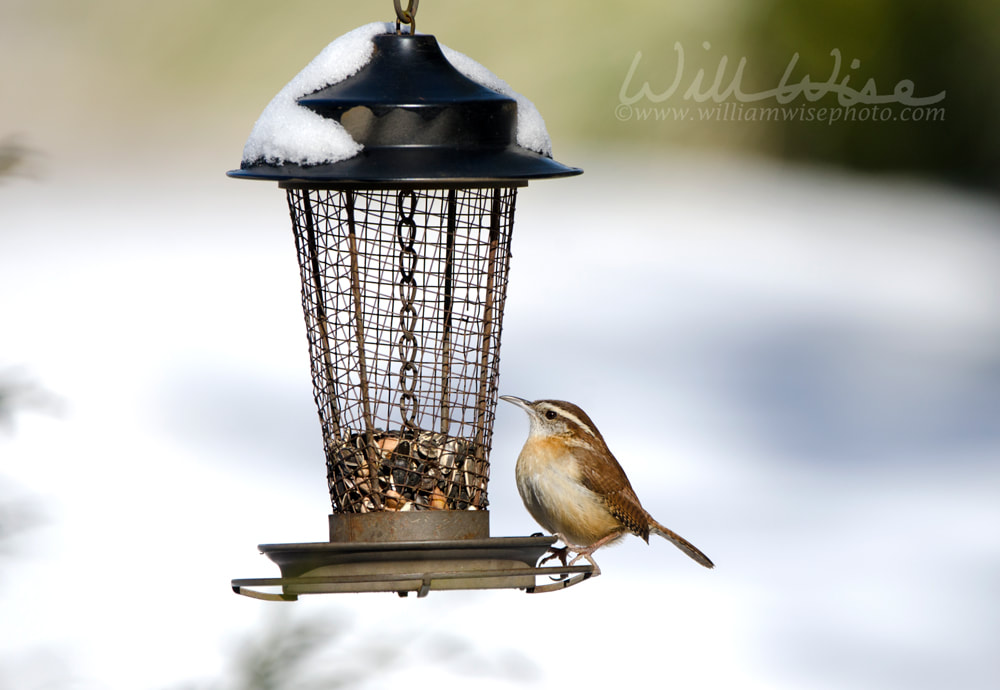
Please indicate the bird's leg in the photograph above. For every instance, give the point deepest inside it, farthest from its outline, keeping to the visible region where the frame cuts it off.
(587, 551)
(597, 568)
(600, 542)
(562, 554)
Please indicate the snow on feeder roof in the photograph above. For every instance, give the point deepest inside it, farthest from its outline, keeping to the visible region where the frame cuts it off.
(378, 106)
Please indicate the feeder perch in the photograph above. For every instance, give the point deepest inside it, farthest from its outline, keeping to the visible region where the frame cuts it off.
(404, 251)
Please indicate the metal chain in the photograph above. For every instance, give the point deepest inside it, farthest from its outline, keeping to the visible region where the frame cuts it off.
(407, 16)
(407, 345)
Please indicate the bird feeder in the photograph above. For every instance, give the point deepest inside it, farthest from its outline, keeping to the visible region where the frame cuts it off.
(403, 249)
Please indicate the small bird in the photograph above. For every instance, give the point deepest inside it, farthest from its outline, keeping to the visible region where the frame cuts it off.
(574, 487)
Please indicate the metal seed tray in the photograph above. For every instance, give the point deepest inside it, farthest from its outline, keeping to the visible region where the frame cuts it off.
(413, 566)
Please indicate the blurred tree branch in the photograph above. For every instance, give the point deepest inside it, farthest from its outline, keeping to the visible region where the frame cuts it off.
(14, 157)
(18, 392)
(17, 515)
(288, 652)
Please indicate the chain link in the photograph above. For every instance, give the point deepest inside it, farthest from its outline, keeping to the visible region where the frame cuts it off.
(407, 16)
(407, 345)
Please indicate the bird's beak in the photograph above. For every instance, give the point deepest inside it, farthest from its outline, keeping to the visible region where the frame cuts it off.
(520, 402)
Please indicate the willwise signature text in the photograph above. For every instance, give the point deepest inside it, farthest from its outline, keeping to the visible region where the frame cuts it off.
(723, 88)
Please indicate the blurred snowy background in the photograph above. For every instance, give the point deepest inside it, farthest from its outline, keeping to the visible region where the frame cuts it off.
(792, 345)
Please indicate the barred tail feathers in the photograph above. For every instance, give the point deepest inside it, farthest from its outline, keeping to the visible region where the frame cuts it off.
(681, 543)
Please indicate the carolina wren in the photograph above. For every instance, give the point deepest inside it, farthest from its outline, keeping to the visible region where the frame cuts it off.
(574, 487)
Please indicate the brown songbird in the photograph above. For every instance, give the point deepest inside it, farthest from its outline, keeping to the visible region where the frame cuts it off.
(574, 487)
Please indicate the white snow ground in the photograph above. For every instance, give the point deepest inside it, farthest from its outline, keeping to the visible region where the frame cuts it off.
(799, 369)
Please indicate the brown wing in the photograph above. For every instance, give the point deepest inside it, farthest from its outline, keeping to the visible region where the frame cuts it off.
(607, 479)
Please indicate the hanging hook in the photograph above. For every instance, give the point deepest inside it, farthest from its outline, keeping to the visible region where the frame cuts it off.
(407, 16)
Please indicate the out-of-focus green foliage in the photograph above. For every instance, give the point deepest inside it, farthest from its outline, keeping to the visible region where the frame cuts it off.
(951, 47)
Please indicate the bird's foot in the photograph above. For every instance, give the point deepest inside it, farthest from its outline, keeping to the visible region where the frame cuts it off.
(587, 554)
(562, 554)
(581, 552)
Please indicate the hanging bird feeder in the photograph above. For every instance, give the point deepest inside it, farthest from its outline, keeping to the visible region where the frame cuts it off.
(401, 173)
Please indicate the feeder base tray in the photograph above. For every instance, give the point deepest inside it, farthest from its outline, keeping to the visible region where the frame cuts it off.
(411, 566)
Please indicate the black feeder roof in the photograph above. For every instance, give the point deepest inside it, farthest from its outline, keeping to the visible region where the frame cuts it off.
(420, 121)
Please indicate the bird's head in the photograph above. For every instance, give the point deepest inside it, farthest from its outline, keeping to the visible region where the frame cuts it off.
(557, 418)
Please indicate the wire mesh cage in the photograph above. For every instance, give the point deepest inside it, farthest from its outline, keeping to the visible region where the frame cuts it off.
(403, 292)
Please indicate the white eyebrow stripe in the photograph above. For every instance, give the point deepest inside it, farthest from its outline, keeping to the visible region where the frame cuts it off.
(572, 417)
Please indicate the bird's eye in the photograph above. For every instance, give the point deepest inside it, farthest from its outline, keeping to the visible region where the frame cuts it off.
(550, 414)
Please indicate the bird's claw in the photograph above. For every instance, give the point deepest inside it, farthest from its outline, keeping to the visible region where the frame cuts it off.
(562, 554)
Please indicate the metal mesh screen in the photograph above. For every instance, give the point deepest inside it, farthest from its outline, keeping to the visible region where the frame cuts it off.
(403, 296)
